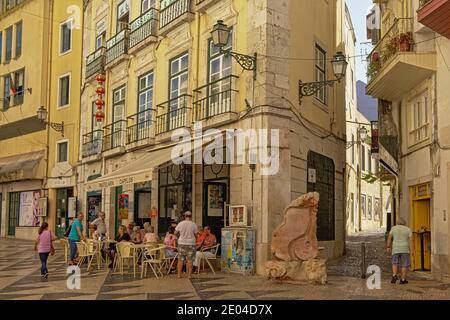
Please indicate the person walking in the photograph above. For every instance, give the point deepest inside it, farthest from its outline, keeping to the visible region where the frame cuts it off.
(400, 244)
(44, 246)
(186, 231)
(75, 235)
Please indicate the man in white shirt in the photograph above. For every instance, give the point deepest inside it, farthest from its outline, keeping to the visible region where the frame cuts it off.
(101, 224)
(186, 231)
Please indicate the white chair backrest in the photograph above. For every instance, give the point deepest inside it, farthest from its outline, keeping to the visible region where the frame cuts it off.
(82, 248)
(124, 249)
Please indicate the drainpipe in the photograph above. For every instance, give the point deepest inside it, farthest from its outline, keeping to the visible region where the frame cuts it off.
(48, 85)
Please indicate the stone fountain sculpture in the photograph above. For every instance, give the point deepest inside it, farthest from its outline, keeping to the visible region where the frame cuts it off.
(295, 246)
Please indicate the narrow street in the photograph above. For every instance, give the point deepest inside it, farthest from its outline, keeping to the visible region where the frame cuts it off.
(20, 279)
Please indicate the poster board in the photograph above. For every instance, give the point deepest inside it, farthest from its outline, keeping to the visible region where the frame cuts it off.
(145, 205)
(72, 209)
(216, 200)
(123, 206)
(42, 208)
(29, 209)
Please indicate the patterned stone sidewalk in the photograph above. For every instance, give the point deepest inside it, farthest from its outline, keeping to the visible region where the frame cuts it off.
(20, 279)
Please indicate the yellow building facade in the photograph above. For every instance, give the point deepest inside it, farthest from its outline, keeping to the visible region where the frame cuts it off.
(33, 59)
(162, 73)
(409, 76)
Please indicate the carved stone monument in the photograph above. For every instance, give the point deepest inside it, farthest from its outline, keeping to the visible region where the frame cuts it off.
(295, 246)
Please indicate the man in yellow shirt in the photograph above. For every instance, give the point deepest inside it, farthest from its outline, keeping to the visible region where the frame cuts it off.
(401, 244)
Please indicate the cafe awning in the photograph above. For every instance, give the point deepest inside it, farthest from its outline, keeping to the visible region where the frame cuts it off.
(21, 167)
(140, 170)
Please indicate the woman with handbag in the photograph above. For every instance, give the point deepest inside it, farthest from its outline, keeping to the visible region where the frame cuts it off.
(44, 246)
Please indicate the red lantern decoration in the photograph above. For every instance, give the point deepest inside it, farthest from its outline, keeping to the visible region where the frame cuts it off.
(99, 116)
(100, 91)
(101, 78)
(99, 103)
(375, 56)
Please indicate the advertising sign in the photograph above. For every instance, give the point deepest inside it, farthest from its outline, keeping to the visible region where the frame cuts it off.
(123, 206)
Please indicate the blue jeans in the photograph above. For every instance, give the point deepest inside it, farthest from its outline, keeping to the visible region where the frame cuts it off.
(44, 257)
(73, 249)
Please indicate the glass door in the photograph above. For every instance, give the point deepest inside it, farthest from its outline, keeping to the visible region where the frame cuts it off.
(14, 207)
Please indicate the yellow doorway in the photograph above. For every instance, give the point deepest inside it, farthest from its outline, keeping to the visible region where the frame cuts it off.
(421, 226)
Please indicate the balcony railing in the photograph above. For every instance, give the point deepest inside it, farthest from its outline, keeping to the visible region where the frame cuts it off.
(399, 38)
(143, 27)
(92, 143)
(215, 98)
(139, 126)
(95, 63)
(172, 10)
(117, 46)
(114, 135)
(177, 115)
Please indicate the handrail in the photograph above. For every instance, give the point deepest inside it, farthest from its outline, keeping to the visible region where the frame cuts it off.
(199, 89)
(185, 95)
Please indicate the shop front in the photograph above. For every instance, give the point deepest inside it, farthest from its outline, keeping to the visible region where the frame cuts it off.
(175, 194)
(216, 195)
(21, 188)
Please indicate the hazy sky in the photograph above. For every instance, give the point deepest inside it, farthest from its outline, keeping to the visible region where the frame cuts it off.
(358, 10)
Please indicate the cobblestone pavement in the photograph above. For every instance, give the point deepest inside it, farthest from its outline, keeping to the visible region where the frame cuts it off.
(20, 279)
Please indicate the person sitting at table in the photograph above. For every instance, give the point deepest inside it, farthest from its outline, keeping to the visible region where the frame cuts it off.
(95, 234)
(145, 229)
(123, 236)
(130, 229)
(200, 238)
(136, 235)
(170, 240)
(151, 236)
(209, 241)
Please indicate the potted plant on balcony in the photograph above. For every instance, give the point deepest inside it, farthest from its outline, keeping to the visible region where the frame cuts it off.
(405, 42)
(390, 49)
(374, 65)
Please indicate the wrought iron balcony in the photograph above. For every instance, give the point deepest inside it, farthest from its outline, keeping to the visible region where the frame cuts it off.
(140, 126)
(215, 98)
(92, 143)
(95, 63)
(399, 38)
(177, 115)
(174, 10)
(114, 135)
(117, 47)
(435, 14)
(144, 27)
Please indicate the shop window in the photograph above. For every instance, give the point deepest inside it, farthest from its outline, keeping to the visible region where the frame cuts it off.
(175, 194)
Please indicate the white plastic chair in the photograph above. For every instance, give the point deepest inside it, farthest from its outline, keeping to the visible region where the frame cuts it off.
(213, 250)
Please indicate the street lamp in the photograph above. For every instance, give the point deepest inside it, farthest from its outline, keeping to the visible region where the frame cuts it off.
(339, 64)
(220, 36)
(42, 114)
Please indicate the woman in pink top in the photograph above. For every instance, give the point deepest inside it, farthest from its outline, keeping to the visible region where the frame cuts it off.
(170, 241)
(44, 245)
